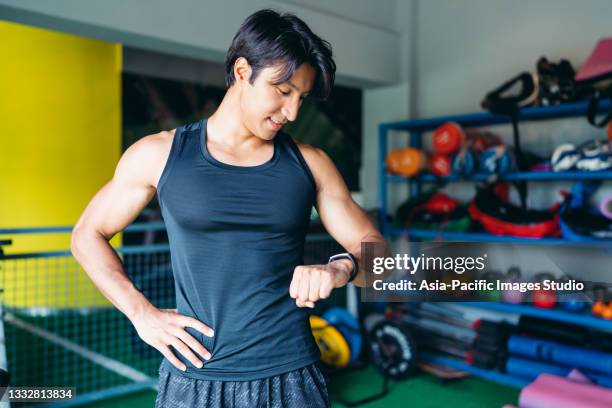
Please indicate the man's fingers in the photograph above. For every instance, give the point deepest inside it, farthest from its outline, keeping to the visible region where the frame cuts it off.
(166, 352)
(295, 283)
(315, 283)
(194, 344)
(310, 284)
(309, 304)
(304, 288)
(186, 352)
(198, 325)
(325, 288)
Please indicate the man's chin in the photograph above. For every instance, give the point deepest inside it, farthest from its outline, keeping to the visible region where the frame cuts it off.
(268, 134)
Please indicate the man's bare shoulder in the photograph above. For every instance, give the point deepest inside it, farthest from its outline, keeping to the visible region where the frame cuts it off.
(314, 156)
(157, 143)
(321, 165)
(145, 159)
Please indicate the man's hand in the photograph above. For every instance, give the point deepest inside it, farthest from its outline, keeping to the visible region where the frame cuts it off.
(165, 327)
(313, 282)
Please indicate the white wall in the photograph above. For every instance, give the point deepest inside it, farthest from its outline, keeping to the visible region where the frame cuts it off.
(385, 104)
(379, 105)
(362, 35)
(466, 48)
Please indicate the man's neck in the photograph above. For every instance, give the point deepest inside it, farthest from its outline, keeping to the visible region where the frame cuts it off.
(225, 126)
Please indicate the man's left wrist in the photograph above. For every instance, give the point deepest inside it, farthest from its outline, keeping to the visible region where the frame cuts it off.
(345, 267)
(349, 264)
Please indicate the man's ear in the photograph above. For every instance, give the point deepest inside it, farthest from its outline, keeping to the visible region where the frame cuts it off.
(242, 69)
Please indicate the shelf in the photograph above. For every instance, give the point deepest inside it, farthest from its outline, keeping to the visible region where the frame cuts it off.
(569, 110)
(496, 376)
(415, 233)
(524, 175)
(416, 129)
(581, 319)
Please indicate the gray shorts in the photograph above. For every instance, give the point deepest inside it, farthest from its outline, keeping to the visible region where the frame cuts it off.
(301, 388)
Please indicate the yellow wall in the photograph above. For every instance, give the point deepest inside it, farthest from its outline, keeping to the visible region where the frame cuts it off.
(60, 133)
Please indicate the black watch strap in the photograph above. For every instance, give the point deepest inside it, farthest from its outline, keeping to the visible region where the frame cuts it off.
(351, 257)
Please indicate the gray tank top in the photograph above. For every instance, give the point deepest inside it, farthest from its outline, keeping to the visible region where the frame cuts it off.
(236, 234)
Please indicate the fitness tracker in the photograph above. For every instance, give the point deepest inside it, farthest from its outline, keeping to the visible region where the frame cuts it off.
(349, 256)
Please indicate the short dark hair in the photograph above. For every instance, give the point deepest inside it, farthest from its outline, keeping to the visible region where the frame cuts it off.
(267, 38)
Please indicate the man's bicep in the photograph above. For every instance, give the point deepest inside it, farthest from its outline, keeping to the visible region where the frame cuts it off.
(346, 222)
(114, 207)
(120, 201)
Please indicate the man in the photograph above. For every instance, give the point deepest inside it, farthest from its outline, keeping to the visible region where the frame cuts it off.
(236, 194)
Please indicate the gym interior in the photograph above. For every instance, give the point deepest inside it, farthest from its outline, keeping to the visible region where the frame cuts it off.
(479, 127)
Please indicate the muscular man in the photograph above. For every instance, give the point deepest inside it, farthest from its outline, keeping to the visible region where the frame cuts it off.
(236, 194)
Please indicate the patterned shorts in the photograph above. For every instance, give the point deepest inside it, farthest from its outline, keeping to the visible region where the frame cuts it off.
(301, 388)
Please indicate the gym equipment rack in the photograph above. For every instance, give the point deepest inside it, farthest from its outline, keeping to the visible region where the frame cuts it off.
(416, 128)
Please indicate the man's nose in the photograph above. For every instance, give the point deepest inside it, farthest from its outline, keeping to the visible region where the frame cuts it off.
(291, 108)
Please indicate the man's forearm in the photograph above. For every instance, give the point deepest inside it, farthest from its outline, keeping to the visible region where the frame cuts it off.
(104, 268)
(376, 237)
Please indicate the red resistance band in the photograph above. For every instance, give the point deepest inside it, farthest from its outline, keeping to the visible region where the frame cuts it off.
(499, 227)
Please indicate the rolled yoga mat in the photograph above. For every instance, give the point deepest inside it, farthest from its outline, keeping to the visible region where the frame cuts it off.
(565, 333)
(560, 353)
(558, 392)
(459, 333)
(531, 369)
(552, 330)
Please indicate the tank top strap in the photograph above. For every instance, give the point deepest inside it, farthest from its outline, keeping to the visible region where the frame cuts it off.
(293, 151)
(184, 142)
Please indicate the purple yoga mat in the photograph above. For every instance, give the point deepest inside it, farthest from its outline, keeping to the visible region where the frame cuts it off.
(549, 391)
(578, 376)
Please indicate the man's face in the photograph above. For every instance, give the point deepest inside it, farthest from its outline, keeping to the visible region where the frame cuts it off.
(266, 106)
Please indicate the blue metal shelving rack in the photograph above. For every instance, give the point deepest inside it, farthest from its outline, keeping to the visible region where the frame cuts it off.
(481, 119)
(416, 128)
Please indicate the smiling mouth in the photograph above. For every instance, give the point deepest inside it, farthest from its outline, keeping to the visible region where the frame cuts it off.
(275, 124)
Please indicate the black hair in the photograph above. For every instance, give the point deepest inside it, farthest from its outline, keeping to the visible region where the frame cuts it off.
(267, 38)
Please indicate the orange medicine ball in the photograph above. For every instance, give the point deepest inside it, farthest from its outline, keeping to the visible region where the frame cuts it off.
(407, 161)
